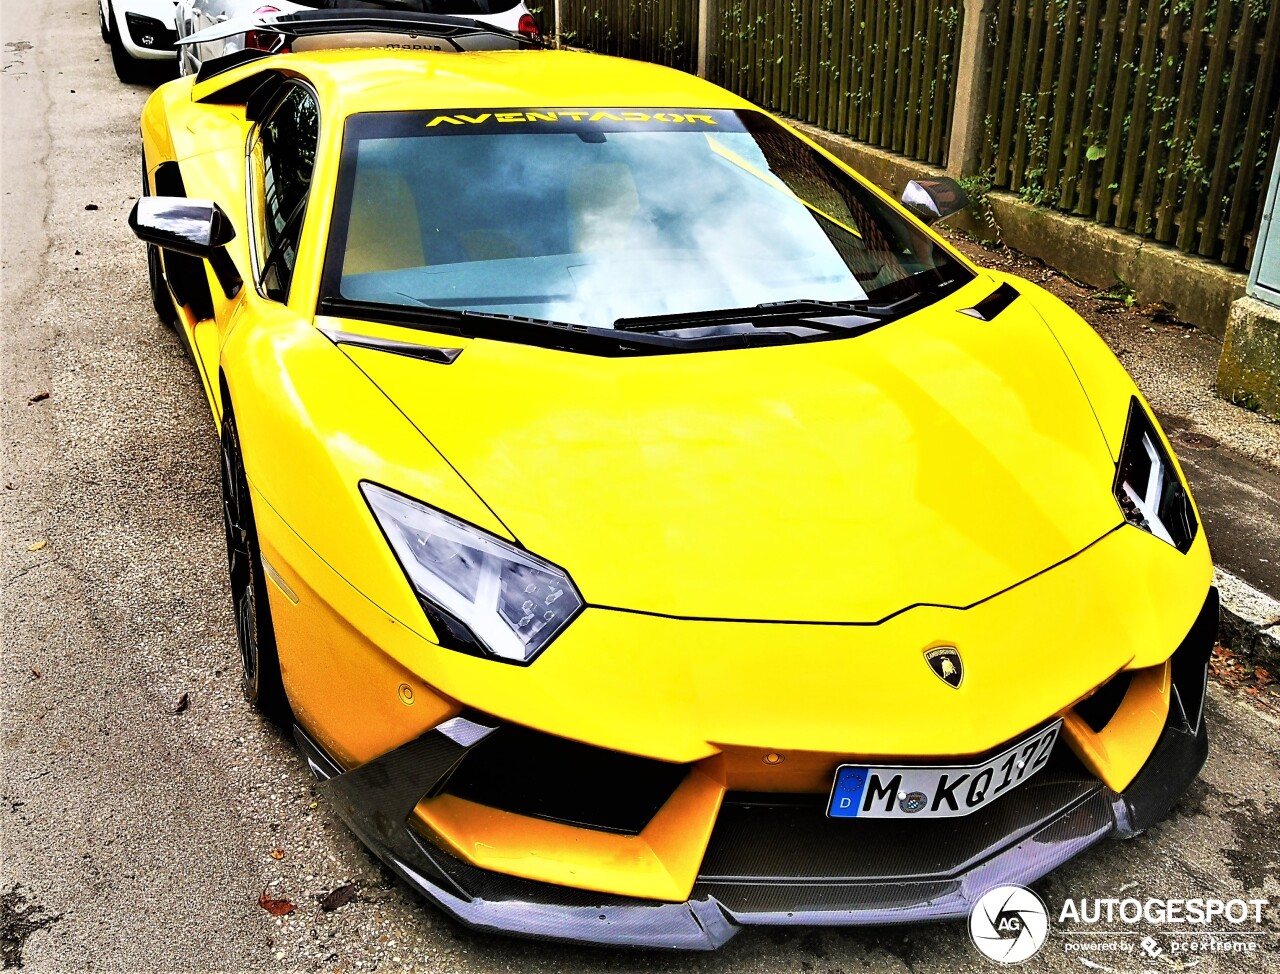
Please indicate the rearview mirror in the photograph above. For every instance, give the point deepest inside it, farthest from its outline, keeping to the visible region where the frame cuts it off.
(932, 199)
(197, 228)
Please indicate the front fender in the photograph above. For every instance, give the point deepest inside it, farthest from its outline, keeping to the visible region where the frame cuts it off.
(312, 426)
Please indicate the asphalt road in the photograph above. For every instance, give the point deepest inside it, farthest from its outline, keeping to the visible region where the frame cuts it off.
(136, 835)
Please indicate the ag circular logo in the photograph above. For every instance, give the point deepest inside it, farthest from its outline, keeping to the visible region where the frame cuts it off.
(1009, 924)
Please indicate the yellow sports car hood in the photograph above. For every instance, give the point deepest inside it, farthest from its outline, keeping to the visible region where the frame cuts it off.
(936, 460)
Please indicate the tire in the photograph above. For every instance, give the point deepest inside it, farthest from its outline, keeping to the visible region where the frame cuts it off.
(260, 665)
(102, 25)
(160, 299)
(127, 69)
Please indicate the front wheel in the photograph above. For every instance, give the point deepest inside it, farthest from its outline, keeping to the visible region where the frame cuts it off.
(160, 299)
(255, 634)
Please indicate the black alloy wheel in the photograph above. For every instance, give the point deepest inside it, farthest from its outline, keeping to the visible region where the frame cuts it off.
(263, 686)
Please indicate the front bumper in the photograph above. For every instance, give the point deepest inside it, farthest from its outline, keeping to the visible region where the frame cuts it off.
(779, 860)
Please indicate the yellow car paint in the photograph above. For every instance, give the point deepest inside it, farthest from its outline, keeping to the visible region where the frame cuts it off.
(661, 863)
(764, 572)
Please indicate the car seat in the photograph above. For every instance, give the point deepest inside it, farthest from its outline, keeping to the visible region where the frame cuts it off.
(383, 233)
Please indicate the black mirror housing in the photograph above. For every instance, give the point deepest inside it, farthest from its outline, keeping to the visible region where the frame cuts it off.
(197, 228)
(931, 200)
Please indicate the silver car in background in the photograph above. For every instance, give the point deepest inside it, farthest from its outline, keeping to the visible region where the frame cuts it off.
(197, 15)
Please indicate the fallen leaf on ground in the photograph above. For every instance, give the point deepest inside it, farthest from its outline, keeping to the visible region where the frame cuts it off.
(184, 702)
(38, 397)
(91, 206)
(35, 671)
(37, 545)
(277, 853)
(338, 898)
(1160, 311)
(276, 907)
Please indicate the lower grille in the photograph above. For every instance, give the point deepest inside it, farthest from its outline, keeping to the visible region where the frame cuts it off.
(1098, 709)
(796, 842)
(529, 773)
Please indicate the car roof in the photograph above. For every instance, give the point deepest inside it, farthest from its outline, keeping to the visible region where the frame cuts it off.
(366, 80)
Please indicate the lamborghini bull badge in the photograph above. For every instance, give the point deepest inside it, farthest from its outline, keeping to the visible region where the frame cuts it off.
(946, 664)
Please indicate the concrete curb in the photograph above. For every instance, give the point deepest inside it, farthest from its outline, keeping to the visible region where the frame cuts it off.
(1248, 620)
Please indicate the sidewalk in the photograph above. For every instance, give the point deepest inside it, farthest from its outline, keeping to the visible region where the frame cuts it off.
(1230, 455)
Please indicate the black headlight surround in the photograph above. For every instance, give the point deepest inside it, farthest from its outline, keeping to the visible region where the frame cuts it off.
(1169, 504)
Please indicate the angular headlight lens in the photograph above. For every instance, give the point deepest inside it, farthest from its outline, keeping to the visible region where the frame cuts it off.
(1147, 487)
(480, 593)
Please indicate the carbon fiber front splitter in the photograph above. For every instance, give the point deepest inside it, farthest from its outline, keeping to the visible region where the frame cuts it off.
(772, 863)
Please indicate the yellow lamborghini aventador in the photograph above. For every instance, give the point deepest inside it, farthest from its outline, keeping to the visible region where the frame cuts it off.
(648, 526)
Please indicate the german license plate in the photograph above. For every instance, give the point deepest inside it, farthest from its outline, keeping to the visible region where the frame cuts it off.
(937, 792)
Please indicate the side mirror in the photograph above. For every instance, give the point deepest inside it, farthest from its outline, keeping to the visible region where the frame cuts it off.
(197, 228)
(933, 199)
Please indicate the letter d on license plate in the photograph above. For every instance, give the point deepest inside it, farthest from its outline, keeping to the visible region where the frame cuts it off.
(912, 791)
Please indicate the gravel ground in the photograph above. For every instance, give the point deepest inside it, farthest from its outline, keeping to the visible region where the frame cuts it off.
(143, 810)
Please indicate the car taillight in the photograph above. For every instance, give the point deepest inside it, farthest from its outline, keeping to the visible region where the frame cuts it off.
(263, 40)
(529, 29)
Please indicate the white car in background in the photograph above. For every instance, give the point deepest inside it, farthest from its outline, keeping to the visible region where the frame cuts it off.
(138, 31)
(198, 15)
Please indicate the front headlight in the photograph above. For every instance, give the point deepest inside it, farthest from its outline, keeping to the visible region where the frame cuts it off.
(1147, 487)
(480, 593)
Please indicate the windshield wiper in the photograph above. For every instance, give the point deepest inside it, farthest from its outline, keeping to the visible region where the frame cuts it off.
(822, 315)
(660, 335)
(453, 319)
(829, 316)
(539, 332)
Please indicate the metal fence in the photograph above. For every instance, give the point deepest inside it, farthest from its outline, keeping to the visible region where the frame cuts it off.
(1156, 116)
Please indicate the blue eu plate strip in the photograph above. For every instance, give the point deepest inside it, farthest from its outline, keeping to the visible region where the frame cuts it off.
(846, 796)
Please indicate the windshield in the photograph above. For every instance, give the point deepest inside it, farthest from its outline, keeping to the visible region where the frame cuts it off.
(590, 216)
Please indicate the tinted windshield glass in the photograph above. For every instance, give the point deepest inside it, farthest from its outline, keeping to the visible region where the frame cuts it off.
(588, 216)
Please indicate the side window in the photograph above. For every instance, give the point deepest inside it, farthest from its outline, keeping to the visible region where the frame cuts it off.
(282, 159)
